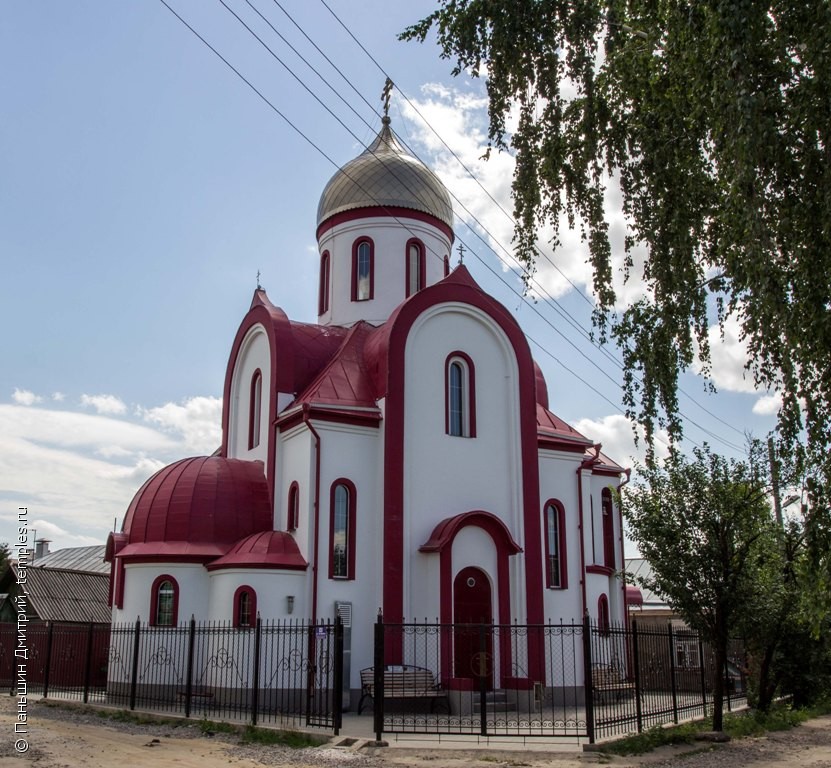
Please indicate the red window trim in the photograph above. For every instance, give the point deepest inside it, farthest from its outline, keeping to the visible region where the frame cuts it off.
(154, 600)
(255, 404)
(355, 246)
(471, 393)
(323, 288)
(237, 598)
(603, 620)
(351, 530)
(561, 520)
(446, 265)
(293, 508)
(422, 266)
(607, 509)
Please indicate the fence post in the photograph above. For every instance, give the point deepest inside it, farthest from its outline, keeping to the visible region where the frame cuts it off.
(672, 674)
(588, 691)
(637, 654)
(726, 685)
(48, 669)
(703, 678)
(189, 678)
(134, 675)
(483, 693)
(88, 663)
(338, 682)
(255, 689)
(378, 698)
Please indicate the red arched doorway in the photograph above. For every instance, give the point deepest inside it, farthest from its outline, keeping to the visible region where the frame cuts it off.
(472, 608)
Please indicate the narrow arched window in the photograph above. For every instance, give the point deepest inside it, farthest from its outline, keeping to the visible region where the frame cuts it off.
(342, 531)
(245, 607)
(362, 270)
(555, 553)
(460, 396)
(415, 266)
(293, 508)
(323, 290)
(164, 602)
(255, 407)
(603, 623)
(608, 508)
(446, 265)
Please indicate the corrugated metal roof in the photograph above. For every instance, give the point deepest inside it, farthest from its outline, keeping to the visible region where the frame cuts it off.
(89, 559)
(638, 568)
(57, 594)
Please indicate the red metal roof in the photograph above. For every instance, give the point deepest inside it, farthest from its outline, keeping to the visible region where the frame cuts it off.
(269, 549)
(553, 429)
(198, 508)
(345, 381)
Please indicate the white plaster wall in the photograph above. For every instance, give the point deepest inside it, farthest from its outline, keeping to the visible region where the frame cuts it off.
(254, 353)
(296, 462)
(193, 590)
(558, 480)
(272, 587)
(444, 475)
(390, 236)
(352, 452)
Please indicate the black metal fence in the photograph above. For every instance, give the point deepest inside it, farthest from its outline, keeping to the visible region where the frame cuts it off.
(281, 673)
(650, 674)
(531, 680)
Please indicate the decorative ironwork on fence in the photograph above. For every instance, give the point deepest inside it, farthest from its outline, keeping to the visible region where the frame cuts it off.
(546, 680)
(282, 673)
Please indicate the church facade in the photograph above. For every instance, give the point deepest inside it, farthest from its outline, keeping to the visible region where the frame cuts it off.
(398, 456)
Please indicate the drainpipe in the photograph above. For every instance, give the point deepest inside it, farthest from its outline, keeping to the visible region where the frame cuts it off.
(621, 548)
(316, 558)
(585, 464)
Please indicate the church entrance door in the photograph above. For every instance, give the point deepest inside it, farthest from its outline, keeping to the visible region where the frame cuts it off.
(473, 617)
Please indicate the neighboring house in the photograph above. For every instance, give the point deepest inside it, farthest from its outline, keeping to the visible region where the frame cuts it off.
(397, 456)
(67, 586)
(644, 604)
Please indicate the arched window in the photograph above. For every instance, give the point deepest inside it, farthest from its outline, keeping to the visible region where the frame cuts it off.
(245, 607)
(555, 550)
(415, 266)
(342, 530)
(603, 623)
(293, 508)
(608, 508)
(323, 291)
(164, 602)
(255, 406)
(460, 396)
(446, 265)
(363, 260)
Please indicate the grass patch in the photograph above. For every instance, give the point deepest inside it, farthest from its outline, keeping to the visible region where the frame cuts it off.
(211, 726)
(268, 737)
(653, 738)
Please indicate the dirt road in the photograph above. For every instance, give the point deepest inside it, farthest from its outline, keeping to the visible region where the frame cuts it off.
(63, 738)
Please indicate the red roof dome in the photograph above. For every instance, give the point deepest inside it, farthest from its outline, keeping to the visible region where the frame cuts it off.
(269, 549)
(197, 508)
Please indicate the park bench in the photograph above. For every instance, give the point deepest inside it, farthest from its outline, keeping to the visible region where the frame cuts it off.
(607, 681)
(403, 681)
(198, 696)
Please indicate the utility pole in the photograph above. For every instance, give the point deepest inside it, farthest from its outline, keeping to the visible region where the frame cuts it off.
(774, 480)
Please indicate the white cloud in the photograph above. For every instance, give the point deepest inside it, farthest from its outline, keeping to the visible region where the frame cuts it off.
(618, 439)
(58, 397)
(25, 397)
(729, 358)
(77, 471)
(198, 420)
(768, 405)
(108, 404)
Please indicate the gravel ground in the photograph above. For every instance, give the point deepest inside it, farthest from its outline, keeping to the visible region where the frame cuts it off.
(68, 737)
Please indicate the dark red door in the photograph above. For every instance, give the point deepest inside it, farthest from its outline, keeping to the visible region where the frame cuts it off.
(473, 608)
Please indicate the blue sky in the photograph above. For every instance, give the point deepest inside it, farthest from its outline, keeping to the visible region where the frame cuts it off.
(142, 187)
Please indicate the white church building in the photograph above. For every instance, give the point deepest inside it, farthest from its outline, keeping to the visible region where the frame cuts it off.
(397, 456)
